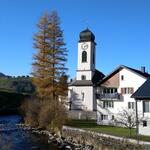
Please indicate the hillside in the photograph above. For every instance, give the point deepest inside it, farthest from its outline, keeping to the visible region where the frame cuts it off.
(21, 84)
(13, 91)
(2, 75)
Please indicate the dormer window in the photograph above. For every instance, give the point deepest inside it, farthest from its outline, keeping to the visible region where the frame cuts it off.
(83, 77)
(84, 56)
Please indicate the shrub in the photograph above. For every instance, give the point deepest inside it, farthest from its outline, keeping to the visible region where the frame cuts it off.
(30, 111)
(46, 114)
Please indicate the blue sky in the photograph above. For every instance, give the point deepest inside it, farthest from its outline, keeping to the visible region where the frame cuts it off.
(121, 27)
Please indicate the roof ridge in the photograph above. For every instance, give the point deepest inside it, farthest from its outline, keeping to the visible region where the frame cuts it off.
(145, 75)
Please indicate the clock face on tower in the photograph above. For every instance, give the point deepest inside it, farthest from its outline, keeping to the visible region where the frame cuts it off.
(84, 46)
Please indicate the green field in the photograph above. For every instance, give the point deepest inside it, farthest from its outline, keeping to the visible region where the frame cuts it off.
(111, 130)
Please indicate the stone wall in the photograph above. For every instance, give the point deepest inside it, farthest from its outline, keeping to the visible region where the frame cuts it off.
(99, 141)
(86, 115)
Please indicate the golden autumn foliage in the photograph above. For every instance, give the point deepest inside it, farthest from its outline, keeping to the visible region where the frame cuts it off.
(49, 61)
(49, 75)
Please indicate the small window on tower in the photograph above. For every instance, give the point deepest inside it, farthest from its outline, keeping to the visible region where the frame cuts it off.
(84, 56)
(83, 77)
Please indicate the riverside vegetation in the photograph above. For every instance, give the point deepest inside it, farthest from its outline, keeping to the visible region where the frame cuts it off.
(45, 109)
(40, 95)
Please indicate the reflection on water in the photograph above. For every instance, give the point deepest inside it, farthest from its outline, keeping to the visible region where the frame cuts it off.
(12, 138)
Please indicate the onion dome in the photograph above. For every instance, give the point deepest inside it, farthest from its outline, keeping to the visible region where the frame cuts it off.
(86, 36)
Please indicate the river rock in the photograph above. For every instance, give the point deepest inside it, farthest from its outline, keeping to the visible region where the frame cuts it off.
(68, 147)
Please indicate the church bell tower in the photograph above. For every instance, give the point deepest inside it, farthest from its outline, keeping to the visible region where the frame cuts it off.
(86, 56)
(82, 90)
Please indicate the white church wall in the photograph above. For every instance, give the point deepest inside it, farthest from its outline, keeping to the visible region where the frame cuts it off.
(89, 64)
(82, 97)
(88, 75)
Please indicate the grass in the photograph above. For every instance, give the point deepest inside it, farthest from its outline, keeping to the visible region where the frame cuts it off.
(111, 130)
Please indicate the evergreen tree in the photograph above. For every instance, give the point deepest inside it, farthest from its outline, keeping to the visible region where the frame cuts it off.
(49, 62)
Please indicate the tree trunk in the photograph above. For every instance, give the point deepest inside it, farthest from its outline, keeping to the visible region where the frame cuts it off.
(130, 131)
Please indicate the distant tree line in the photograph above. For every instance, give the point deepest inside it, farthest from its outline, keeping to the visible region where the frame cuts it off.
(20, 84)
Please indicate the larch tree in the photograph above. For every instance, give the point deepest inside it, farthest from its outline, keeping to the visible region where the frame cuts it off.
(49, 62)
(49, 74)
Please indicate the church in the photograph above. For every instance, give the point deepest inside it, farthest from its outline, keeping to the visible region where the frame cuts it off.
(106, 96)
(82, 90)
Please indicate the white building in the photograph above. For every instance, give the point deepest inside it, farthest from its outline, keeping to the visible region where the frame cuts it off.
(82, 90)
(142, 96)
(91, 91)
(114, 93)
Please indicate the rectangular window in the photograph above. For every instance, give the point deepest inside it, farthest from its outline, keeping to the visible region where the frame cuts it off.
(104, 117)
(146, 107)
(131, 105)
(113, 117)
(108, 104)
(127, 90)
(115, 90)
(110, 90)
(122, 77)
(144, 123)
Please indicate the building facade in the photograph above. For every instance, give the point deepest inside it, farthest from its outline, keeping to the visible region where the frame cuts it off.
(142, 96)
(107, 96)
(81, 94)
(114, 93)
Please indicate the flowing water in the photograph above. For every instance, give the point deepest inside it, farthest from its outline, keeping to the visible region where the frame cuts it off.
(12, 138)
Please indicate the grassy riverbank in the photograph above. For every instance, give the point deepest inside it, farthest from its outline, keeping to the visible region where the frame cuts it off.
(111, 130)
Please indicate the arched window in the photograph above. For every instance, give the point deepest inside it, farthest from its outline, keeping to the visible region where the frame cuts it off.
(84, 56)
(83, 77)
(82, 93)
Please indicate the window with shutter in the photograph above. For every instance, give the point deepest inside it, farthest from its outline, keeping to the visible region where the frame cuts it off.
(131, 105)
(122, 90)
(132, 91)
(127, 90)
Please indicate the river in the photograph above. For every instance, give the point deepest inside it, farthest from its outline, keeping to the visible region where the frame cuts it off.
(12, 138)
